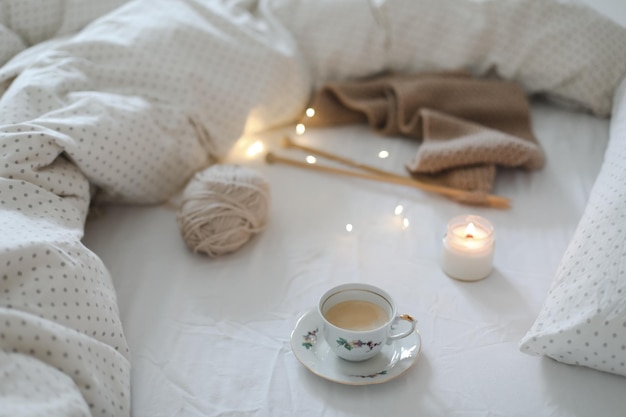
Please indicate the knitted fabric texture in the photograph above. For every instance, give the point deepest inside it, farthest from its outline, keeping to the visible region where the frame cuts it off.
(467, 126)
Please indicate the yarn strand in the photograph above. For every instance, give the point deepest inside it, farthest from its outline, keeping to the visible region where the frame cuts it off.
(222, 208)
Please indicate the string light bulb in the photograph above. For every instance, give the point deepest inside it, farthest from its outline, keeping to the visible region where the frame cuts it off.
(255, 148)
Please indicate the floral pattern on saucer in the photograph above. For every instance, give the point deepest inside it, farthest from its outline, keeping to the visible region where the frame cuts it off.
(377, 374)
(315, 354)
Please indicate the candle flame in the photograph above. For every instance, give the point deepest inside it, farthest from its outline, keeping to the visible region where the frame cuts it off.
(470, 230)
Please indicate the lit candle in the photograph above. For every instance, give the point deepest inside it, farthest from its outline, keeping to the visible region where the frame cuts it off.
(468, 248)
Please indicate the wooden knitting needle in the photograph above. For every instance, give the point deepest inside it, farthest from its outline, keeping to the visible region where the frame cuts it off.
(462, 196)
(458, 195)
(289, 143)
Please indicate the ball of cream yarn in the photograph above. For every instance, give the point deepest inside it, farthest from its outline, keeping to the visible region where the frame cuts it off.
(222, 207)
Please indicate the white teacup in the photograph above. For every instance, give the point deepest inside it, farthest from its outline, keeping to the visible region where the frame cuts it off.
(359, 319)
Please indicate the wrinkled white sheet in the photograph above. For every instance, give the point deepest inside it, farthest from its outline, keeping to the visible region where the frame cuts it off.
(210, 337)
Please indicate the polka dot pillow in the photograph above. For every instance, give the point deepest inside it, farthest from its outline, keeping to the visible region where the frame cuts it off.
(583, 320)
(562, 49)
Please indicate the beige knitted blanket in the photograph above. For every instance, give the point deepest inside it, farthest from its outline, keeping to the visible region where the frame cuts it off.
(466, 126)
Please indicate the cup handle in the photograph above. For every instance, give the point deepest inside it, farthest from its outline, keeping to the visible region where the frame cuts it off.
(405, 333)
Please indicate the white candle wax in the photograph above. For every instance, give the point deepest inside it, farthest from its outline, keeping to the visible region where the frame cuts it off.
(468, 248)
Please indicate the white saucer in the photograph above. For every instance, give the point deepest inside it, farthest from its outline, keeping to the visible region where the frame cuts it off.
(314, 353)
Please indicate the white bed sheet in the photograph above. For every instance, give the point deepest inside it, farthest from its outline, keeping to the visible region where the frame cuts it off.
(210, 336)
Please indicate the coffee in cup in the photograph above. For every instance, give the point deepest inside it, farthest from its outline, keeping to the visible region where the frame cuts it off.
(359, 315)
(359, 319)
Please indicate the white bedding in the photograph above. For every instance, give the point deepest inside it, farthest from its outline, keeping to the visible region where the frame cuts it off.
(128, 321)
(212, 336)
